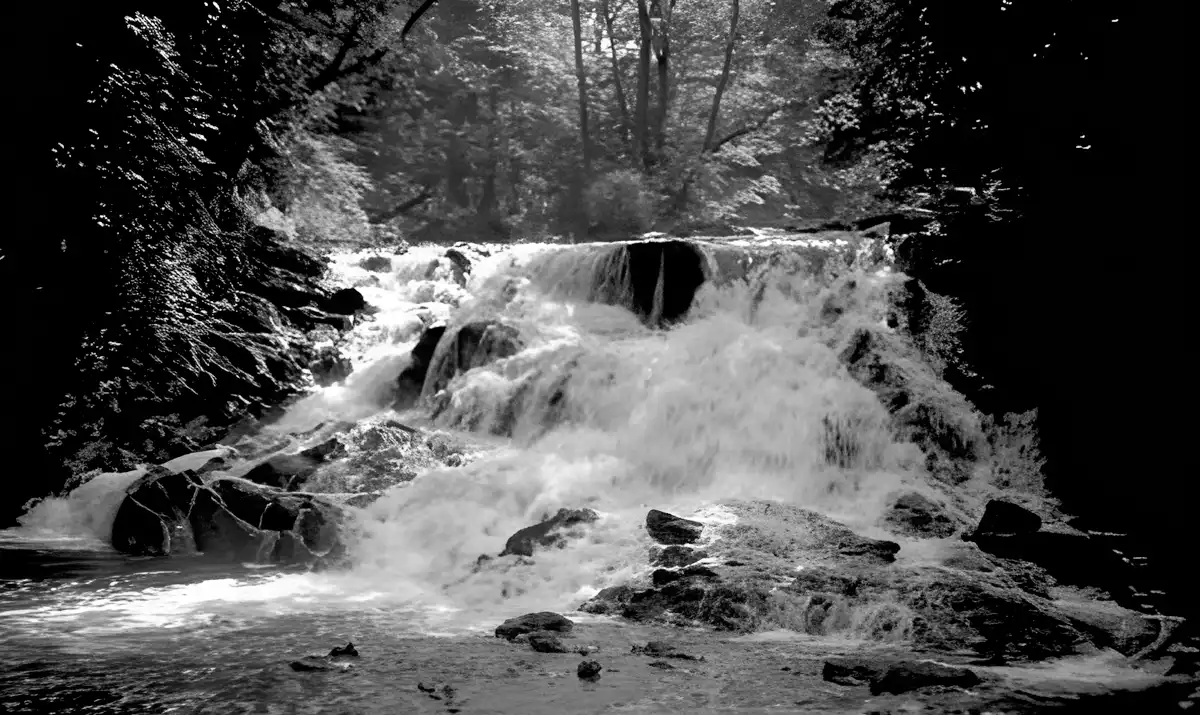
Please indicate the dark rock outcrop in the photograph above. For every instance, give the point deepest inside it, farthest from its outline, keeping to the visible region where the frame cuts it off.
(662, 649)
(345, 301)
(672, 530)
(166, 514)
(675, 555)
(1001, 517)
(532, 623)
(412, 378)
(551, 533)
(896, 676)
(290, 471)
(914, 514)
(469, 346)
(460, 265)
(376, 264)
(589, 670)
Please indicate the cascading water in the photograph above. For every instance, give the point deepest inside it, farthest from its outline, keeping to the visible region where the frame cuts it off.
(662, 374)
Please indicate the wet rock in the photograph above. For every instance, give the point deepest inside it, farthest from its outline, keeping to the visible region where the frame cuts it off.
(167, 514)
(661, 577)
(533, 622)
(460, 265)
(330, 366)
(914, 514)
(1001, 517)
(551, 533)
(472, 345)
(376, 264)
(662, 649)
(317, 663)
(609, 601)
(675, 556)
(290, 471)
(672, 530)
(1073, 559)
(412, 378)
(589, 670)
(347, 650)
(546, 643)
(895, 677)
(661, 665)
(346, 301)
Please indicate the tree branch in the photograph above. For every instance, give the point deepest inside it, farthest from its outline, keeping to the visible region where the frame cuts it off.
(403, 208)
(416, 16)
(751, 128)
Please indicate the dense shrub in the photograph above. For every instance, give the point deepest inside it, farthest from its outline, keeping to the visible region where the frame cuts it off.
(619, 202)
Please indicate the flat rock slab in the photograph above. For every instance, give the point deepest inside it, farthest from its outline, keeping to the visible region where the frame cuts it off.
(895, 677)
(533, 622)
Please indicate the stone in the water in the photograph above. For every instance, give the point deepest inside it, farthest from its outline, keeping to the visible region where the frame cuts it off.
(346, 301)
(1001, 517)
(675, 556)
(546, 643)
(672, 530)
(661, 665)
(317, 663)
(330, 366)
(290, 471)
(895, 677)
(154, 519)
(472, 345)
(914, 514)
(550, 533)
(533, 622)
(346, 650)
(376, 264)
(589, 670)
(662, 649)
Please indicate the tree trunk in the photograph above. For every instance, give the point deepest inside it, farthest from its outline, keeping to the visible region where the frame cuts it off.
(616, 69)
(581, 80)
(716, 105)
(662, 56)
(642, 109)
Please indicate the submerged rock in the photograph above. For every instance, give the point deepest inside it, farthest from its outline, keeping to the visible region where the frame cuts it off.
(346, 301)
(589, 670)
(412, 378)
(546, 643)
(552, 532)
(290, 471)
(469, 346)
(670, 529)
(533, 622)
(662, 649)
(330, 367)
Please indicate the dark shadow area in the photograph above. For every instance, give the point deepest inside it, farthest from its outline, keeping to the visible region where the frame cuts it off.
(680, 265)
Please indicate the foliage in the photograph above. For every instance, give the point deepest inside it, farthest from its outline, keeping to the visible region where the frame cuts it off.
(1017, 464)
(619, 202)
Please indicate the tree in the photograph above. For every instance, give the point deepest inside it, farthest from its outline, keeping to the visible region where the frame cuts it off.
(581, 79)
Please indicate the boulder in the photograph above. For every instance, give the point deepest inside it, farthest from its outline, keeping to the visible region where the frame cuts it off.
(345, 301)
(166, 514)
(551, 533)
(672, 530)
(412, 378)
(662, 649)
(589, 670)
(330, 366)
(532, 623)
(290, 471)
(546, 643)
(472, 345)
(1001, 517)
(376, 264)
(914, 514)
(460, 265)
(895, 676)
(675, 555)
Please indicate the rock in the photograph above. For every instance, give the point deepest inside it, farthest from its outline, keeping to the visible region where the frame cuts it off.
(609, 601)
(1073, 559)
(910, 675)
(346, 301)
(166, 514)
(895, 677)
(675, 555)
(461, 265)
(661, 664)
(347, 650)
(533, 622)
(670, 529)
(316, 663)
(412, 378)
(376, 264)
(589, 670)
(472, 345)
(290, 471)
(546, 643)
(1001, 517)
(308, 318)
(550, 533)
(662, 649)
(330, 366)
(914, 514)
